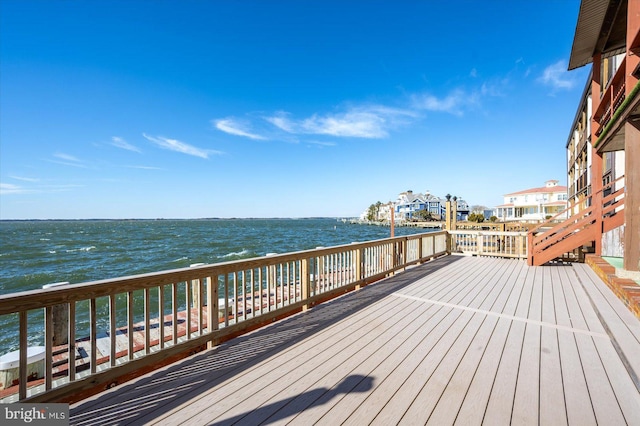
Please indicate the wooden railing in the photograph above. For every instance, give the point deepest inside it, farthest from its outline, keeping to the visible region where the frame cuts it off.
(117, 329)
(489, 243)
(603, 213)
(612, 97)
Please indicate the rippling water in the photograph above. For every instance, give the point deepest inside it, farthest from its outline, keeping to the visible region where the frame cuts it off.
(34, 253)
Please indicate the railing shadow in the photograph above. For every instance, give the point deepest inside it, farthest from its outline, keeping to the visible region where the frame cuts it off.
(159, 392)
(280, 410)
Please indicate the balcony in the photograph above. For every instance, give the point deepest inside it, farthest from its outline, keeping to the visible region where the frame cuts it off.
(612, 97)
(463, 340)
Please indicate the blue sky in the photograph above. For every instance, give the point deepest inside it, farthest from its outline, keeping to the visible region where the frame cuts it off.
(144, 109)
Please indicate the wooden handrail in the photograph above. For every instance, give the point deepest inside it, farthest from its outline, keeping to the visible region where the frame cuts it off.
(596, 214)
(252, 292)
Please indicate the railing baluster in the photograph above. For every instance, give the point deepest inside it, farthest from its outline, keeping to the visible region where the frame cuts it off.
(147, 322)
(130, 324)
(22, 363)
(161, 315)
(174, 313)
(187, 309)
(227, 301)
(112, 330)
(71, 352)
(48, 344)
(92, 334)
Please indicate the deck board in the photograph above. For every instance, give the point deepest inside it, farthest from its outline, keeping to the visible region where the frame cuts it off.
(459, 339)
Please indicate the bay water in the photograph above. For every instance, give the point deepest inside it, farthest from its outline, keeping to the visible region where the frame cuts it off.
(35, 253)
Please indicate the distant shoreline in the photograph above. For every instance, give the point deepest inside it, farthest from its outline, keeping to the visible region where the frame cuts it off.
(162, 219)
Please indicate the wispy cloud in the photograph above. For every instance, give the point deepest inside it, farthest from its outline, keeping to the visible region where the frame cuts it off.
(455, 102)
(321, 144)
(144, 167)
(370, 122)
(66, 157)
(67, 160)
(178, 146)
(118, 142)
(557, 76)
(8, 188)
(24, 179)
(236, 127)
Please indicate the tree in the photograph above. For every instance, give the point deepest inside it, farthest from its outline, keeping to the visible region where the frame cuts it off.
(373, 213)
(476, 217)
(423, 215)
(493, 219)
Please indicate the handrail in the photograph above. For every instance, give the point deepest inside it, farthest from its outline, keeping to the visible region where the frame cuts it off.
(130, 325)
(490, 243)
(572, 205)
(598, 212)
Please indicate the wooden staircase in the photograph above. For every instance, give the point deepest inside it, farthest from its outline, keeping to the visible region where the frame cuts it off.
(602, 213)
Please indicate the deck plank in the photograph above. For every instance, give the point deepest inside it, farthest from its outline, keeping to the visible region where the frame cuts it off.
(576, 394)
(476, 400)
(527, 397)
(338, 414)
(460, 339)
(552, 402)
(455, 393)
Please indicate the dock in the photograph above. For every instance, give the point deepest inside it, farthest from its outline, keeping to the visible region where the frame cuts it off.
(464, 340)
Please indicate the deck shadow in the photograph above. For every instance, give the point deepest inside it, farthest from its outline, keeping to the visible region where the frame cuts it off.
(159, 392)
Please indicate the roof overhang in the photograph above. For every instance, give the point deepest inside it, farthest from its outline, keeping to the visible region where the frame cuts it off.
(601, 28)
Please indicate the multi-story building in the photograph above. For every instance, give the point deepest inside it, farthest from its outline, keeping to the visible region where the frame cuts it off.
(409, 203)
(608, 37)
(534, 204)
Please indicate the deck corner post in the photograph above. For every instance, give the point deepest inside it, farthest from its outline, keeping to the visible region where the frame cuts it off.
(305, 283)
(530, 248)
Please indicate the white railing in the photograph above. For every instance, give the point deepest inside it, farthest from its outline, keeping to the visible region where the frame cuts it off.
(489, 243)
(96, 333)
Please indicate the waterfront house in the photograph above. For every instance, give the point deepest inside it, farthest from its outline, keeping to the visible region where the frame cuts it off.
(409, 203)
(534, 204)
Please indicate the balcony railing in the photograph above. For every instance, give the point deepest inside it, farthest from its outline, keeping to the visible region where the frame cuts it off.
(118, 328)
(612, 98)
(490, 243)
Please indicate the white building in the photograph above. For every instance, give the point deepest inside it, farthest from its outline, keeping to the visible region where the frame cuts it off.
(535, 204)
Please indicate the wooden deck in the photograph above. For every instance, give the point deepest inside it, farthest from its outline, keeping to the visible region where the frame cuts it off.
(460, 340)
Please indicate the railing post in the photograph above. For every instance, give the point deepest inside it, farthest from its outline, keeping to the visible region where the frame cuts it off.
(530, 248)
(405, 248)
(212, 308)
(305, 285)
(597, 211)
(60, 319)
(479, 242)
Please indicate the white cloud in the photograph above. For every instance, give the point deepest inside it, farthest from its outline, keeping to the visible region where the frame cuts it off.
(144, 167)
(454, 103)
(557, 76)
(176, 145)
(25, 179)
(121, 143)
(282, 121)
(371, 122)
(322, 144)
(68, 160)
(66, 157)
(7, 188)
(235, 127)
